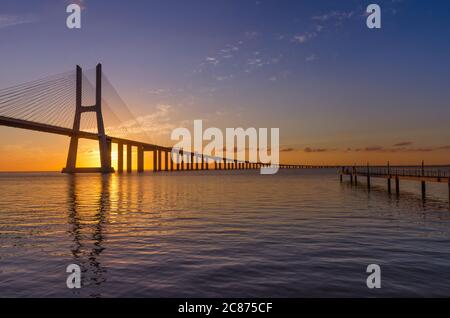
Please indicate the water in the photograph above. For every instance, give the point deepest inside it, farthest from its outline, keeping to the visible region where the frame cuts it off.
(230, 234)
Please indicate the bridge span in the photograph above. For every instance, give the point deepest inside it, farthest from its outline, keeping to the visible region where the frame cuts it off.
(11, 106)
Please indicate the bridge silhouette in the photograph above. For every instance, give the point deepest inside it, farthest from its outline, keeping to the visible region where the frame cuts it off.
(55, 105)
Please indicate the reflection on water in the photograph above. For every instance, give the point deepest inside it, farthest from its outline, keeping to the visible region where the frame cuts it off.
(296, 234)
(80, 221)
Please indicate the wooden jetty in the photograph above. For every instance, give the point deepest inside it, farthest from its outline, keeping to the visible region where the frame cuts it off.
(420, 174)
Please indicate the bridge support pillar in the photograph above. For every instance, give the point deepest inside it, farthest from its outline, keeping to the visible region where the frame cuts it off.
(159, 160)
(120, 157)
(103, 141)
(397, 186)
(166, 160)
(389, 185)
(140, 159)
(129, 160)
(155, 160)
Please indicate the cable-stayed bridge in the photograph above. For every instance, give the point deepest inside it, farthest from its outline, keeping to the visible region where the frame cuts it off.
(68, 104)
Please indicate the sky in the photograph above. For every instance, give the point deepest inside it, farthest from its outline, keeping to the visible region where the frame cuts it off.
(340, 93)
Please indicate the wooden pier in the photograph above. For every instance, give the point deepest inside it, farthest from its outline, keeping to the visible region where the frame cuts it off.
(420, 174)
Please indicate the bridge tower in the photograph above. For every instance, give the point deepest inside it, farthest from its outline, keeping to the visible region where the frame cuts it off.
(103, 141)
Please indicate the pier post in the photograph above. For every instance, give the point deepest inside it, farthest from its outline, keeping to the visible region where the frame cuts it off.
(368, 176)
(389, 185)
(178, 161)
(192, 161)
(129, 162)
(397, 185)
(120, 157)
(423, 190)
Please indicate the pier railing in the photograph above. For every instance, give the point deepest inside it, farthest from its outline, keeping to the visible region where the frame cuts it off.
(421, 174)
(400, 171)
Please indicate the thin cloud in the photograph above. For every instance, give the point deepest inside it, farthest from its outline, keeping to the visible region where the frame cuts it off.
(334, 15)
(13, 20)
(304, 37)
(311, 58)
(310, 150)
(403, 144)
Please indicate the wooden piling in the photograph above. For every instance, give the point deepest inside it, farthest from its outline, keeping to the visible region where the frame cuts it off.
(423, 190)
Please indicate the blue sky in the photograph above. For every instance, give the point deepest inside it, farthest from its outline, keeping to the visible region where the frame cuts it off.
(312, 68)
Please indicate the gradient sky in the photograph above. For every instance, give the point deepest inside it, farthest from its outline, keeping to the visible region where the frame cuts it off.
(339, 92)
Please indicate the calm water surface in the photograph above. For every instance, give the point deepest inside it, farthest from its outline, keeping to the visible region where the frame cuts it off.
(239, 234)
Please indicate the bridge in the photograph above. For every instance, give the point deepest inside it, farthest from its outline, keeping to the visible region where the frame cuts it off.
(55, 105)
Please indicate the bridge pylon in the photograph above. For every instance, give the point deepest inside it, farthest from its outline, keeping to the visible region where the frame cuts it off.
(103, 141)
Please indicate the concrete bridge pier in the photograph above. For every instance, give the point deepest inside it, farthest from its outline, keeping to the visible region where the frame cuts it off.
(159, 160)
(120, 157)
(155, 160)
(129, 162)
(166, 160)
(140, 159)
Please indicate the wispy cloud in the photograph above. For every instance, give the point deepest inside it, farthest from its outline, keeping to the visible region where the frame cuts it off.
(311, 58)
(304, 37)
(309, 149)
(401, 147)
(7, 20)
(81, 3)
(403, 143)
(334, 15)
